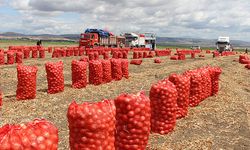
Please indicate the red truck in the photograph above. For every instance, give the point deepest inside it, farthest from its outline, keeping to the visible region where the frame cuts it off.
(97, 37)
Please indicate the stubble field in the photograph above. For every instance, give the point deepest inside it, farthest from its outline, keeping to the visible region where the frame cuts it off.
(219, 122)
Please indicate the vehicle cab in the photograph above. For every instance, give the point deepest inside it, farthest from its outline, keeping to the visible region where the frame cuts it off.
(89, 39)
(223, 44)
(132, 40)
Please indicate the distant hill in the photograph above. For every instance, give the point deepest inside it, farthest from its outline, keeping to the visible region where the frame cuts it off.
(11, 34)
(170, 41)
(46, 37)
(197, 42)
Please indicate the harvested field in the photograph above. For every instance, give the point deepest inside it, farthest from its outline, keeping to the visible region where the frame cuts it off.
(219, 122)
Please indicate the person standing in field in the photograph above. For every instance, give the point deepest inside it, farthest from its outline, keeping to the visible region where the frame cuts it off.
(39, 43)
(246, 51)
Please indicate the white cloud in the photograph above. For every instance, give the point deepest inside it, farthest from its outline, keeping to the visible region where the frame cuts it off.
(197, 18)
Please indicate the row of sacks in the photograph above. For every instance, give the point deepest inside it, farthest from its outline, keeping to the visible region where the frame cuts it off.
(216, 54)
(228, 53)
(67, 52)
(102, 50)
(145, 54)
(125, 123)
(166, 52)
(140, 49)
(139, 61)
(187, 51)
(244, 59)
(105, 55)
(100, 71)
(17, 57)
(22, 48)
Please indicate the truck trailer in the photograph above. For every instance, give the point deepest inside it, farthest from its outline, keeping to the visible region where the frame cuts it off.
(99, 37)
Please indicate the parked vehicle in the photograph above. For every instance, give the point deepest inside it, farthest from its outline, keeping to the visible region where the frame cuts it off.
(195, 47)
(223, 44)
(150, 40)
(99, 37)
(134, 40)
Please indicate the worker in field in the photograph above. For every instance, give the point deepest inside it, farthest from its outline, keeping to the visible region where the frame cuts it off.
(246, 51)
(39, 43)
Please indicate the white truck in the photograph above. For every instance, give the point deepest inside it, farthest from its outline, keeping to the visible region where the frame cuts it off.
(223, 44)
(150, 40)
(134, 40)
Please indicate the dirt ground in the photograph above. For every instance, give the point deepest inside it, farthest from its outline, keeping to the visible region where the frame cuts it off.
(219, 122)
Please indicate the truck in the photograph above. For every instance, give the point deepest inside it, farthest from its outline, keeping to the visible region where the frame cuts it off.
(134, 39)
(150, 40)
(223, 44)
(99, 37)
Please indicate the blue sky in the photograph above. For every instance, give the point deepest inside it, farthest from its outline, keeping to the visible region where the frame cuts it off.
(172, 18)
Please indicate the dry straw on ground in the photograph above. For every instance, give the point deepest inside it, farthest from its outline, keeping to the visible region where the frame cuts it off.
(219, 122)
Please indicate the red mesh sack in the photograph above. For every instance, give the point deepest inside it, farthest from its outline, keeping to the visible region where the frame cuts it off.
(196, 86)
(92, 125)
(116, 66)
(145, 54)
(55, 54)
(192, 55)
(76, 52)
(215, 77)
(26, 86)
(124, 55)
(81, 51)
(36, 135)
(95, 72)
(120, 55)
(107, 72)
(181, 56)
(50, 49)
(84, 59)
(135, 55)
(174, 57)
(10, 58)
(1, 98)
(243, 59)
(34, 53)
(1, 58)
(71, 52)
(136, 61)
(67, 52)
(19, 57)
(96, 55)
(79, 74)
(125, 71)
(163, 97)
(41, 53)
(26, 53)
(247, 66)
(115, 55)
(91, 56)
(140, 55)
(106, 55)
(157, 60)
(182, 84)
(206, 82)
(132, 121)
(151, 54)
(63, 53)
(55, 77)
